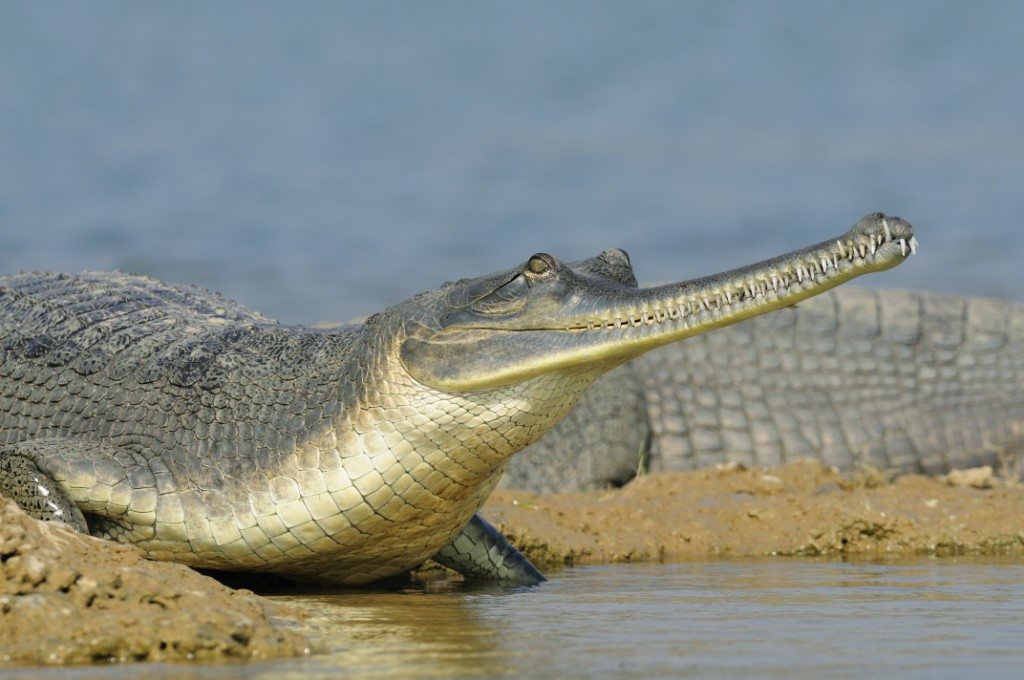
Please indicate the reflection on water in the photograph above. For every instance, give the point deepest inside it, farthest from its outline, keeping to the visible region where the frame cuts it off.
(434, 632)
(764, 618)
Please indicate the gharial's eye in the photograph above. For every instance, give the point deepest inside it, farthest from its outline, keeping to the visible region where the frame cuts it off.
(539, 263)
(509, 298)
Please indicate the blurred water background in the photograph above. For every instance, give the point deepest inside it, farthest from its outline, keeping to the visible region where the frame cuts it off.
(318, 161)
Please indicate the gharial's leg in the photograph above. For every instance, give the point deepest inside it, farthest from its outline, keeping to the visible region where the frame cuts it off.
(60, 478)
(480, 551)
(25, 480)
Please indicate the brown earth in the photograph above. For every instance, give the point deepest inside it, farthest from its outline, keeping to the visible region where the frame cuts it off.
(802, 508)
(69, 598)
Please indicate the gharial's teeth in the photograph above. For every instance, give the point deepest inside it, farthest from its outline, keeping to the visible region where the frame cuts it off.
(750, 290)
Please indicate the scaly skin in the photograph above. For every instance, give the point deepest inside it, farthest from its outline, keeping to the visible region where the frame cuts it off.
(204, 433)
(915, 382)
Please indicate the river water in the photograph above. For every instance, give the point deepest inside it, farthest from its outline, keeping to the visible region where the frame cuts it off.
(786, 618)
(320, 161)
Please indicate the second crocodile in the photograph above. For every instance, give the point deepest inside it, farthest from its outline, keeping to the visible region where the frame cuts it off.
(888, 379)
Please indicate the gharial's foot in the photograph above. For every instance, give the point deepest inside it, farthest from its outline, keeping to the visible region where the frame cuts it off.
(481, 552)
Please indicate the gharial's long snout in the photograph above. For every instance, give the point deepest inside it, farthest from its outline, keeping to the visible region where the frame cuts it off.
(579, 320)
(679, 310)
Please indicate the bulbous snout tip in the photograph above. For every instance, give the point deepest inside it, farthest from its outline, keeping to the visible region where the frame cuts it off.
(888, 226)
(894, 233)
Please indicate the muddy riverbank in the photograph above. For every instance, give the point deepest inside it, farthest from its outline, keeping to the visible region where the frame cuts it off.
(66, 598)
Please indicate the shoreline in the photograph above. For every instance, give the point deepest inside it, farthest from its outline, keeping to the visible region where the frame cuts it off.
(70, 599)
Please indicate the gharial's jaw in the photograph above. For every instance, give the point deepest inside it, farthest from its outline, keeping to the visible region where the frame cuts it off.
(602, 322)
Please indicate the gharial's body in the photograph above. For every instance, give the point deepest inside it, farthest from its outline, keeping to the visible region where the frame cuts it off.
(205, 433)
(892, 379)
(223, 440)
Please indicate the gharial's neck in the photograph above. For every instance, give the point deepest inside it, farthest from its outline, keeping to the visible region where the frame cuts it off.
(476, 432)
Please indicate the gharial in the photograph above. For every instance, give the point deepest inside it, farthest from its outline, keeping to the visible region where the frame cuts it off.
(202, 432)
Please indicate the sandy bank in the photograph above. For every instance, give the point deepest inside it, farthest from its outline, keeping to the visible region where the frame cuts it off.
(801, 508)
